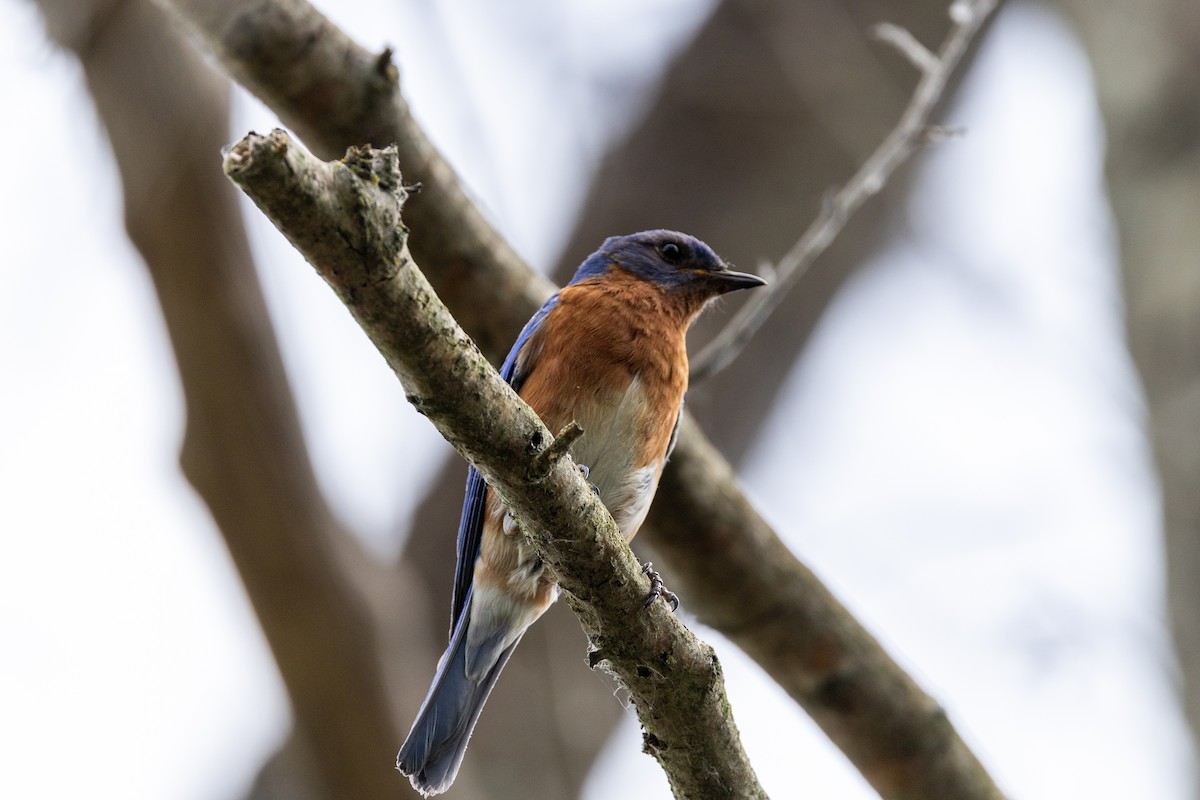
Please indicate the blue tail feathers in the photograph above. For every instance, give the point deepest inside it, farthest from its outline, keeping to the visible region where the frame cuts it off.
(434, 749)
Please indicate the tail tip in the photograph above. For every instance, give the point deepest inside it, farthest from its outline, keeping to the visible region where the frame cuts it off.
(418, 775)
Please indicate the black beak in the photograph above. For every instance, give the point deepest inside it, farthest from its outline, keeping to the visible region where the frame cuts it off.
(730, 281)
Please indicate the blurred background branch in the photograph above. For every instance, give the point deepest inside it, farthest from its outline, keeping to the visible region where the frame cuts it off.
(1146, 61)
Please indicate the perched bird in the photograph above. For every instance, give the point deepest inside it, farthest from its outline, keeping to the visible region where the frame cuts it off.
(608, 352)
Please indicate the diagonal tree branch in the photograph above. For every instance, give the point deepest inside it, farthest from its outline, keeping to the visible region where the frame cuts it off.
(899, 740)
(345, 218)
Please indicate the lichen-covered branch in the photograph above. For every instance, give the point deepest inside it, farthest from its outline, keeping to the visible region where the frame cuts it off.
(345, 217)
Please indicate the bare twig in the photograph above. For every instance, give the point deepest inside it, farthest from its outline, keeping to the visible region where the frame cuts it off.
(967, 16)
(545, 460)
(901, 39)
(345, 218)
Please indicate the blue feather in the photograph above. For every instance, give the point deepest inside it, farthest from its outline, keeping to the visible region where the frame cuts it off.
(470, 525)
(434, 749)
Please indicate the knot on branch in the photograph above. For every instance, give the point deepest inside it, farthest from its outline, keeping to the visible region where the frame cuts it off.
(239, 156)
(380, 167)
(385, 68)
(940, 133)
(545, 460)
(652, 745)
(371, 177)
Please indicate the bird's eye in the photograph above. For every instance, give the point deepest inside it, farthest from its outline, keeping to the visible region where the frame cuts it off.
(671, 252)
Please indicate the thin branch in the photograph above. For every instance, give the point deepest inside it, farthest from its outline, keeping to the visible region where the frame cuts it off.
(967, 17)
(345, 218)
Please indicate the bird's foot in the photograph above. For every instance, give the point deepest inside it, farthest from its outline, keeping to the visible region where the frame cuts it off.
(585, 471)
(657, 589)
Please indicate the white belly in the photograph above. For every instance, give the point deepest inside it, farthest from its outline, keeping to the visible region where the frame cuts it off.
(611, 442)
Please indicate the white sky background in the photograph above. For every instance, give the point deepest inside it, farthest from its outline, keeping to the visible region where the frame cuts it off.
(958, 454)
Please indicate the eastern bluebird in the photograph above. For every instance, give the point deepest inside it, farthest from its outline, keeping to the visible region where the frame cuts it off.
(607, 351)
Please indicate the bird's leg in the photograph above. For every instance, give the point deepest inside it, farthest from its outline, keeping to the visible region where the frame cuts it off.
(586, 471)
(657, 589)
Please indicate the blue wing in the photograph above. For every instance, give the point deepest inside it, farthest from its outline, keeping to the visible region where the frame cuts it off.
(515, 369)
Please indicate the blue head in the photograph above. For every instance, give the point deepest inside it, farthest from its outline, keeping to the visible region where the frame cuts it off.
(673, 261)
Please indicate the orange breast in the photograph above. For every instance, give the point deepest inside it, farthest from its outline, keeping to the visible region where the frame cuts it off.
(611, 356)
(600, 336)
